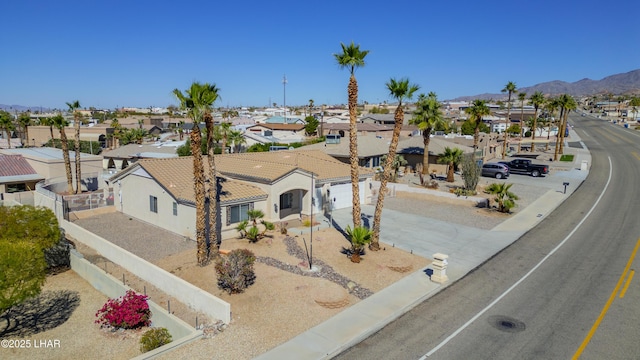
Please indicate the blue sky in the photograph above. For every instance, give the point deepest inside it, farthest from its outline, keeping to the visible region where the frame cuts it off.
(134, 53)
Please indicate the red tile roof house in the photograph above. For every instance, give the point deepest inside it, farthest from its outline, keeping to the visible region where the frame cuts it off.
(280, 183)
(17, 177)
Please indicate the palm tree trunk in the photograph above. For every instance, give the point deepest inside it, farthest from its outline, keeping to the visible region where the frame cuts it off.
(353, 149)
(504, 148)
(558, 137)
(426, 139)
(476, 137)
(535, 127)
(450, 170)
(399, 117)
(76, 125)
(198, 185)
(564, 129)
(67, 161)
(212, 245)
(51, 131)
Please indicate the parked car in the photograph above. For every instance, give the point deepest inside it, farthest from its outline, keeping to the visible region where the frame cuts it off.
(496, 170)
(526, 166)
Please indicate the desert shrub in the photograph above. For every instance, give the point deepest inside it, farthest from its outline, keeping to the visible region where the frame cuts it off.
(235, 272)
(128, 312)
(470, 173)
(154, 338)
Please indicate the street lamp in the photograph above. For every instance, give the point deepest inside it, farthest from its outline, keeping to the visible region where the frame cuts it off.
(284, 88)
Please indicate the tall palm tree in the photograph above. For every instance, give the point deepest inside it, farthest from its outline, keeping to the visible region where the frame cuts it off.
(566, 103)
(451, 157)
(537, 100)
(522, 96)
(551, 106)
(399, 90)
(6, 125)
(427, 117)
(59, 122)
(511, 89)
(476, 112)
(224, 128)
(352, 58)
(25, 121)
(198, 101)
(73, 107)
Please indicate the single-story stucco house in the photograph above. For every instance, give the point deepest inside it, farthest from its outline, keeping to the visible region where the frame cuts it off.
(285, 185)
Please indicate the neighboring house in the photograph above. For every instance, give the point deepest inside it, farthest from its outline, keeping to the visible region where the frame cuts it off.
(283, 120)
(412, 149)
(101, 133)
(125, 155)
(16, 175)
(274, 133)
(342, 129)
(281, 184)
(153, 130)
(49, 163)
(384, 119)
(370, 149)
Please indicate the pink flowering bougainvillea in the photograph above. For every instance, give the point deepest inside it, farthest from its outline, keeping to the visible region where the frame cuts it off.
(128, 312)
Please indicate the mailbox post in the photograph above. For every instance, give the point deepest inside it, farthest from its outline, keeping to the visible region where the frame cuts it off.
(439, 265)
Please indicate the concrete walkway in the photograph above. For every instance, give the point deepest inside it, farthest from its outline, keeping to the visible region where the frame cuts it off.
(467, 248)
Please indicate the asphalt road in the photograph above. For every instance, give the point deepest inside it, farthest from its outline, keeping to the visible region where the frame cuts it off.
(565, 289)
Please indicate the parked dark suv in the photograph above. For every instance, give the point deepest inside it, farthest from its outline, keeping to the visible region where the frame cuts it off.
(496, 170)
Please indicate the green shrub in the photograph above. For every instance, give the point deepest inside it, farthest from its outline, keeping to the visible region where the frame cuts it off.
(235, 272)
(566, 158)
(154, 338)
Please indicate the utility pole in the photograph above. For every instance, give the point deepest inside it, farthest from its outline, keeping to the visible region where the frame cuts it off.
(284, 88)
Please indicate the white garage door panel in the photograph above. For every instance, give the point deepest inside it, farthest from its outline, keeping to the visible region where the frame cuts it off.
(342, 194)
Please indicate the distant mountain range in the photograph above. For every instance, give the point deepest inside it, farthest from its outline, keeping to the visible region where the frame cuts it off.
(627, 83)
(20, 108)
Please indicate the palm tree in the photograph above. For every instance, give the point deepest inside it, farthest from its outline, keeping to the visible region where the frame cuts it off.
(359, 236)
(427, 117)
(59, 122)
(399, 90)
(48, 122)
(224, 128)
(451, 157)
(504, 197)
(537, 100)
(476, 111)
(522, 96)
(73, 106)
(198, 101)
(6, 125)
(237, 139)
(551, 106)
(310, 107)
(25, 121)
(566, 103)
(510, 88)
(352, 58)
(181, 129)
(635, 103)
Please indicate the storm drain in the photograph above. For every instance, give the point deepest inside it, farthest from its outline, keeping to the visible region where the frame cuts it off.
(506, 323)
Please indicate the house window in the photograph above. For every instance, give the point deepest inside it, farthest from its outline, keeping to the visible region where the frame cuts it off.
(375, 161)
(238, 213)
(153, 204)
(286, 201)
(175, 208)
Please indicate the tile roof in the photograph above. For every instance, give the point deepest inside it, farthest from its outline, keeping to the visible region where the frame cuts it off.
(176, 176)
(368, 146)
(415, 145)
(14, 165)
(359, 126)
(135, 150)
(279, 126)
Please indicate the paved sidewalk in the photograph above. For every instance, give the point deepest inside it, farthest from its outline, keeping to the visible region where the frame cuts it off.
(467, 247)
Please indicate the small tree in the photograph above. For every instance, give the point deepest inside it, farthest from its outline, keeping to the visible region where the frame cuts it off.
(470, 173)
(22, 273)
(452, 158)
(359, 236)
(504, 198)
(311, 124)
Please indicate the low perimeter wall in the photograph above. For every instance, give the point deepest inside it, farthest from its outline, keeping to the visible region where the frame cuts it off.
(170, 284)
(180, 331)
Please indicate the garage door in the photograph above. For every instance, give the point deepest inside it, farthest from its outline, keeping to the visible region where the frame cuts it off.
(342, 194)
